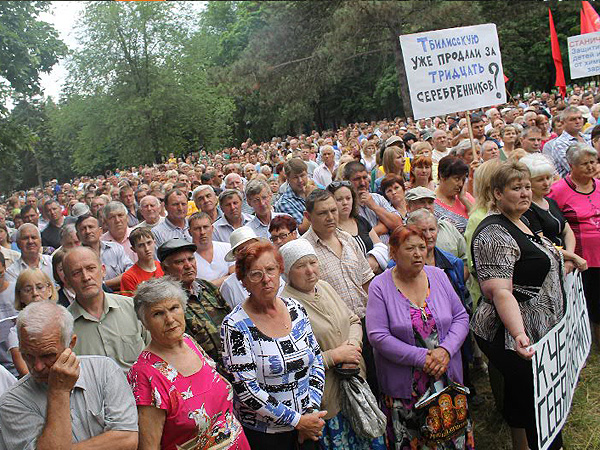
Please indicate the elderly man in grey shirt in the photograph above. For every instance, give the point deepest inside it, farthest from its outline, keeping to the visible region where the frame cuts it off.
(65, 399)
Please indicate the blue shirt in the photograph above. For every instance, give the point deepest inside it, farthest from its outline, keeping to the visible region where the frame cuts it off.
(291, 203)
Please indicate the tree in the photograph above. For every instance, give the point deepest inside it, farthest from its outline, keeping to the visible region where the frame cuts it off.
(28, 47)
(139, 88)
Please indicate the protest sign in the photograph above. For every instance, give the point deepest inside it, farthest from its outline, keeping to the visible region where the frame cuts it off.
(452, 70)
(584, 55)
(558, 359)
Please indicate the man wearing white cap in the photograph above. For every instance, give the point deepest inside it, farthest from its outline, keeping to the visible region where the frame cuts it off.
(232, 290)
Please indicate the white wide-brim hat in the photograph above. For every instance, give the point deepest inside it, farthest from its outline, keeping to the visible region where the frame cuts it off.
(237, 238)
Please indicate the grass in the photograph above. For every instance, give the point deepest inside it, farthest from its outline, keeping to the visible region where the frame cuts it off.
(581, 432)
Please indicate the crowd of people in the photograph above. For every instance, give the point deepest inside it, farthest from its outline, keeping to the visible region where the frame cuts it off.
(224, 300)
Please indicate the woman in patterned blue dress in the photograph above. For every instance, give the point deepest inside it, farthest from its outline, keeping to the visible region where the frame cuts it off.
(273, 357)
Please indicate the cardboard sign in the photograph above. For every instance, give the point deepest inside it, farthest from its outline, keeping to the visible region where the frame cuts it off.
(453, 70)
(558, 360)
(584, 55)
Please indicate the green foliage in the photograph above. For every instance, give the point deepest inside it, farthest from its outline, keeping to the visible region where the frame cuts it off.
(28, 47)
(150, 78)
(139, 89)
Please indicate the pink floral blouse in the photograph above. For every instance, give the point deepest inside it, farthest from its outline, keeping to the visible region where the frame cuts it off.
(199, 407)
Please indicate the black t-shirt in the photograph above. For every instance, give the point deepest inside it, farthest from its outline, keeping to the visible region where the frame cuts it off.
(550, 222)
(362, 238)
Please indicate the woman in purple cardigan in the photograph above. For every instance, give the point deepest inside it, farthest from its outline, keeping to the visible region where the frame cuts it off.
(416, 324)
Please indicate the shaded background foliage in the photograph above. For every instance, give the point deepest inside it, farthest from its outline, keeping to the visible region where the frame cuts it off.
(150, 78)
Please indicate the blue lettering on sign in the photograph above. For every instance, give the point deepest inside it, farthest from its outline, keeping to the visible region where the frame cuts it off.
(471, 70)
(437, 44)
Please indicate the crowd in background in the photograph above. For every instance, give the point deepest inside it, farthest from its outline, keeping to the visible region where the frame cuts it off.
(223, 300)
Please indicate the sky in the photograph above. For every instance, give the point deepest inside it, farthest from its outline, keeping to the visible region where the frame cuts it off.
(63, 16)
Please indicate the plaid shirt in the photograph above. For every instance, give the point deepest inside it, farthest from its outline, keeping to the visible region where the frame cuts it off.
(292, 204)
(557, 149)
(347, 273)
(204, 314)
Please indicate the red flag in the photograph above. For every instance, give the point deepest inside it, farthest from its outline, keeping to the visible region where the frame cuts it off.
(592, 17)
(586, 26)
(505, 78)
(560, 74)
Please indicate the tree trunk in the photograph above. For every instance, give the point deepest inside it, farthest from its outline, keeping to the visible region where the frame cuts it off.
(401, 72)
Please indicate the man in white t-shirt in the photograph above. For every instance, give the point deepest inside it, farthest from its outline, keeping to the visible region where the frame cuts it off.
(440, 145)
(210, 255)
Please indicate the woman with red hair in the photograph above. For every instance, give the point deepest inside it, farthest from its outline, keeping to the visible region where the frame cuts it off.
(273, 356)
(421, 173)
(417, 325)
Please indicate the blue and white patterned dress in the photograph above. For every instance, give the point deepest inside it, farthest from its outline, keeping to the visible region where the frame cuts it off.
(275, 380)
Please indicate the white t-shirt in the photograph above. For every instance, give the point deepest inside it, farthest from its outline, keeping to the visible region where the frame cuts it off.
(436, 155)
(218, 267)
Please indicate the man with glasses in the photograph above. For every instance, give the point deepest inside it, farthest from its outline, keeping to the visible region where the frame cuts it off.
(206, 308)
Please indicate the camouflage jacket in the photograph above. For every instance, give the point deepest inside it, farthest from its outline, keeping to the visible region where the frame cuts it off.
(204, 314)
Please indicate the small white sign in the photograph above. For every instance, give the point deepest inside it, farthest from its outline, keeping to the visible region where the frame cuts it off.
(559, 357)
(453, 70)
(584, 55)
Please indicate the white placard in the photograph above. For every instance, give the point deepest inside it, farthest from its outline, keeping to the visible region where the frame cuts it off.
(584, 55)
(558, 359)
(453, 70)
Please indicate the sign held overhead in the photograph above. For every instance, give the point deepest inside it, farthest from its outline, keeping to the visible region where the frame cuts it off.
(584, 55)
(451, 70)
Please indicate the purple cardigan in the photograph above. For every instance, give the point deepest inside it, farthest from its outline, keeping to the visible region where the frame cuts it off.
(390, 331)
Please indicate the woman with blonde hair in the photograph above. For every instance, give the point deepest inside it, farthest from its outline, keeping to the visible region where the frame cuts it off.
(33, 285)
(392, 163)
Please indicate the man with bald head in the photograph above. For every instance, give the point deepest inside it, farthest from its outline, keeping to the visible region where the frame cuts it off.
(29, 242)
(66, 400)
(105, 323)
(234, 181)
(150, 209)
(440, 145)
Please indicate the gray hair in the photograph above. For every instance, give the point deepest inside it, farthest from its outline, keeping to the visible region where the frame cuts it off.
(229, 193)
(152, 198)
(419, 215)
(489, 112)
(326, 147)
(113, 206)
(255, 187)
(463, 146)
(578, 149)
(23, 227)
(66, 231)
(569, 110)
(156, 290)
(36, 317)
(231, 175)
(201, 188)
(538, 164)
(528, 130)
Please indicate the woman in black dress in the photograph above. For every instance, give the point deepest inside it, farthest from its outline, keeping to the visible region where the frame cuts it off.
(544, 215)
(520, 274)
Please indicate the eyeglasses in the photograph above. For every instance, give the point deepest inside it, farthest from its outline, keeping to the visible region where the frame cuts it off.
(279, 237)
(37, 287)
(256, 276)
